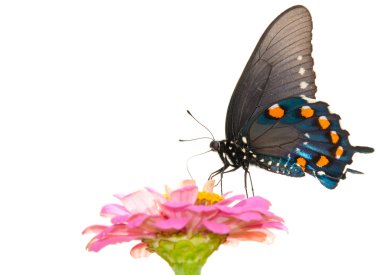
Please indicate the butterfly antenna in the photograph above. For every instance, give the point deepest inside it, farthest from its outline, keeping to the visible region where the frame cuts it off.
(194, 139)
(201, 124)
(187, 162)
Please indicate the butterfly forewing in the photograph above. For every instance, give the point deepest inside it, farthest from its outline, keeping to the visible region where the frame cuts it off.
(280, 67)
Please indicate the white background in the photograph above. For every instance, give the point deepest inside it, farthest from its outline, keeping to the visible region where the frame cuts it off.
(93, 100)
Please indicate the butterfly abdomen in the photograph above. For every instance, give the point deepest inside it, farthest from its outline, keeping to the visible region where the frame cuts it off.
(280, 165)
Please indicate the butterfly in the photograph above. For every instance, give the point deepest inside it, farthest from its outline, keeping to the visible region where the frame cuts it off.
(273, 119)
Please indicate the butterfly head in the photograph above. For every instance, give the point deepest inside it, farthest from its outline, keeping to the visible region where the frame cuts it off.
(215, 145)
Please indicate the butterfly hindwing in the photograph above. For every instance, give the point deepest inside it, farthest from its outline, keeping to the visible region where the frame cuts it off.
(305, 132)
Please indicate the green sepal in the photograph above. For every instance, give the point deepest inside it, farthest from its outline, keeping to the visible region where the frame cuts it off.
(186, 255)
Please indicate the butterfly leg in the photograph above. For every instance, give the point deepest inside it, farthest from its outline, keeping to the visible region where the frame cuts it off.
(217, 172)
(246, 172)
(221, 172)
(226, 164)
(221, 177)
(233, 169)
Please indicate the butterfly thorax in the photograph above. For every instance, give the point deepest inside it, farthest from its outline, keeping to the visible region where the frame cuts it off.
(234, 153)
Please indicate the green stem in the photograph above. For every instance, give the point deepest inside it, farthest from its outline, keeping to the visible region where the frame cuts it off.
(187, 269)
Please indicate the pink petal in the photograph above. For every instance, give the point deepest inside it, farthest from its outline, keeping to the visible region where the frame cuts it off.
(187, 194)
(117, 229)
(94, 229)
(266, 213)
(132, 221)
(225, 195)
(217, 228)
(173, 223)
(97, 244)
(169, 189)
(254, 203)
(120, 219)
(276, 225)
(230, 210)
(111, 210)
(187, 183)
(202, 208)
(256, 235)
(157, 196)
(229, 200)
(209, 186)
(119, 196)
(175, 206)
(174, 209)
(248, 216)
(137, 220)
(141, 202)
(194, 224)
(140, 250)
(231, 242)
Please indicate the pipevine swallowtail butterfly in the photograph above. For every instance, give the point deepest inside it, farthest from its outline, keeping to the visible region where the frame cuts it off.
(273, 119)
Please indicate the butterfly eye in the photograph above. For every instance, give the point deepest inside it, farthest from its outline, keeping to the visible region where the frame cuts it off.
(214, 145)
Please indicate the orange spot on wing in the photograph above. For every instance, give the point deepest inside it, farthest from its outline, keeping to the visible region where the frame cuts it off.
(323, 122)
(301, 162)
(339, 152)
(334, 137)
(276, 111)
(307, 112)
(323, 161)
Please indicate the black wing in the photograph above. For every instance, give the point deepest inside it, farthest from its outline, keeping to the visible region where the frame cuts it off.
(280, 67)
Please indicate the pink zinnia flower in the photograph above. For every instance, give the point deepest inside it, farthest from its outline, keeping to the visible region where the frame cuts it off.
(184, 224)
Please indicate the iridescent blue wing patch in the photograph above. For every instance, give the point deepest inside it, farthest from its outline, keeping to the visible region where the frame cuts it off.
(303, 132)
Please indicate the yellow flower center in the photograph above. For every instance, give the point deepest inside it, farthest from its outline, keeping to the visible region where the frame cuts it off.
(207, 198)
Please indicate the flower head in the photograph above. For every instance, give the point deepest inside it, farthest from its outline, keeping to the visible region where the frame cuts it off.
(147, 214)
(186, 216)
